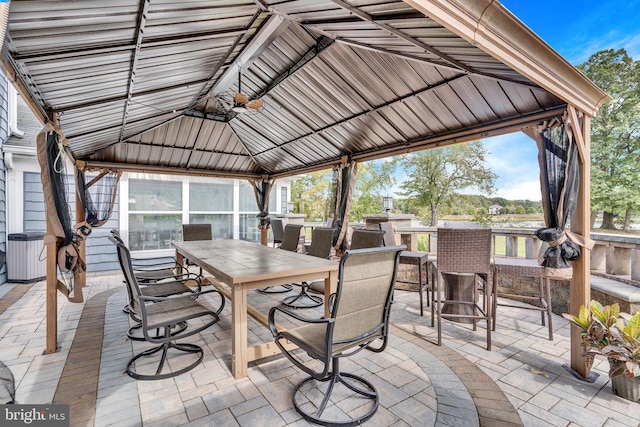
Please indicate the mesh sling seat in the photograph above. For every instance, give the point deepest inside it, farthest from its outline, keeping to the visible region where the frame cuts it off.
(164, 314)
(463, 254)
(361, 239)
(278, 231)
(320, 247)
(290, 242)
(193, 232)
(360, 310)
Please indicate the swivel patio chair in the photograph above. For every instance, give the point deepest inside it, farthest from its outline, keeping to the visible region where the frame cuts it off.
(359, 319)
(361, 239)
(464, 259)
(170, 285)
(290, 242)
(320, 247)
(410, 258)
(165, 313)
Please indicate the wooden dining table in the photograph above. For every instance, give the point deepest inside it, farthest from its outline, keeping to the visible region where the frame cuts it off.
(242, 266)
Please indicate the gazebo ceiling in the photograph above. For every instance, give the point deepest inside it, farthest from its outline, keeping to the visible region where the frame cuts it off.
(148, 85)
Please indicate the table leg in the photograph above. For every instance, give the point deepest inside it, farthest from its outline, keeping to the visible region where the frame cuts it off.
(239, 356)
(330, 286)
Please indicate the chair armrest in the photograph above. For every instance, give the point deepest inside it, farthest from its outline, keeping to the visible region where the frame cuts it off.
(272, 323)
(192, 295)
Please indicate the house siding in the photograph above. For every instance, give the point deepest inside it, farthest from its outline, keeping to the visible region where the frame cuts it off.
(101, 254)
(4, 135)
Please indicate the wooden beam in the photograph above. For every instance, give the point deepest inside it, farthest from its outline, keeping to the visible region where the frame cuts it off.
(580, 290)
(577, 132)
(52, 291)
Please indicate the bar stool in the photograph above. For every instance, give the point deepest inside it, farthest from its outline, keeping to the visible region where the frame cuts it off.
(526, 268)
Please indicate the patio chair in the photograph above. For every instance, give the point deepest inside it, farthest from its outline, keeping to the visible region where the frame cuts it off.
(359, 320)
(278, 231)
(410, 258)
(290, 242)
(320, 247)
(165, 314)
(7, 385)
(464, 259)
(170, 285)
(361, 239)
(193, 232)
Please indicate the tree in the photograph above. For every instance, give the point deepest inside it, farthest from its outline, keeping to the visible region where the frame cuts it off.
(615, 135)
(372, 180)
(434, 175)
(311, 194)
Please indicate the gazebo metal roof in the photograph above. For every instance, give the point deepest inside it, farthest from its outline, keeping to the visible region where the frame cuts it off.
(141, 85)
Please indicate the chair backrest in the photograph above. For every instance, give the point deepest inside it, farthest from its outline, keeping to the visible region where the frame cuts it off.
(361, 239)
(321, 240)
(464, 250)
(133, 289)
(363, 296)
(389, 238)
(291, 238)
(278, 230)
(192, 232)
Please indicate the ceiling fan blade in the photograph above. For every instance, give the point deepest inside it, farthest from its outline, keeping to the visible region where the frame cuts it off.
(254, 104)
(240, 98)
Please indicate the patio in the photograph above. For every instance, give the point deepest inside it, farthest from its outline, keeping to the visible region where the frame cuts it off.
(520, 382)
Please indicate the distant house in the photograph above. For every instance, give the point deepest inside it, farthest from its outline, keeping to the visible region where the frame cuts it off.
(494, 209)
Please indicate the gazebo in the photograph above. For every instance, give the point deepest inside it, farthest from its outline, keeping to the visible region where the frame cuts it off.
(260, 89)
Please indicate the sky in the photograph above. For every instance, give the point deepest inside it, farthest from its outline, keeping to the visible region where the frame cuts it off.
(576, 30)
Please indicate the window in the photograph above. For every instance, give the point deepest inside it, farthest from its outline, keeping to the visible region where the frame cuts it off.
(211, 197)
(283, 200)
(155, 213)
(155, 195)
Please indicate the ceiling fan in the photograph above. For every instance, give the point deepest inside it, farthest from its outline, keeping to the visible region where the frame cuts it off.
(241, 103)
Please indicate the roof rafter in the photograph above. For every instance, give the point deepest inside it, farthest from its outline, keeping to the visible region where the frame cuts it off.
(142, 20)
(367, 112)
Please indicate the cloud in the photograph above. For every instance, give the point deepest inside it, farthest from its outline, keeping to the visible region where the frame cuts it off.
(527, 190)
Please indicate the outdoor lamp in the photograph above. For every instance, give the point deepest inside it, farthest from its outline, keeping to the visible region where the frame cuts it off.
(387, 202)
(289, 207)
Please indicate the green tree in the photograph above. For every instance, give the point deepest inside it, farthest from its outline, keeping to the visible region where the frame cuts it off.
(435, 175)
(372, 180)
(311, 195)
(615, 135)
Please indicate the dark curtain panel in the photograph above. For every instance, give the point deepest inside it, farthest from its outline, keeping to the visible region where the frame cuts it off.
(261, 189)
(344, 178)
(559, 182)
(97, 197)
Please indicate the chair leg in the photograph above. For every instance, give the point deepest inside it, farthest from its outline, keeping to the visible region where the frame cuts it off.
(276, 289)
(352, 382)
(164, 348)
(177, 329)
(315, 300)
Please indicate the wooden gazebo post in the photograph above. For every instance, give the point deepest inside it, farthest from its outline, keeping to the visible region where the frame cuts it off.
(580, 290)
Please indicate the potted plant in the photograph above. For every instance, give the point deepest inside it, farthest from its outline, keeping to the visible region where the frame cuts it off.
(605, 331)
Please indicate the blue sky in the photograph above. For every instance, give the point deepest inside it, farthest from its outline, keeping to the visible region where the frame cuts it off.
(576, 30)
